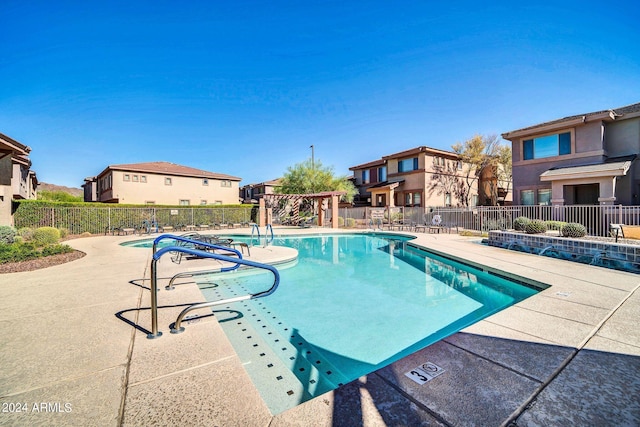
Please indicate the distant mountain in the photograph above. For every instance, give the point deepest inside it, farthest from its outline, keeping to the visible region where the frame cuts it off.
(53, 187)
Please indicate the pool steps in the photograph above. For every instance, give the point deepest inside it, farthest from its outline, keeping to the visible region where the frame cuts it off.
(287, 369)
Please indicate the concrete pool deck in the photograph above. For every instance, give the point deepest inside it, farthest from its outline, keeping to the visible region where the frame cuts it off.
(75, 352)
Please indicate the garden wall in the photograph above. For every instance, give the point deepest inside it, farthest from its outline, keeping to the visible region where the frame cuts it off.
(618, 256)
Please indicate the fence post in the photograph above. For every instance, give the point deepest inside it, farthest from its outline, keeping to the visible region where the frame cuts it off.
(620, 214)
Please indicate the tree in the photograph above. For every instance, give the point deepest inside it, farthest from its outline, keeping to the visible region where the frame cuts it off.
(58, 196)
(446, 181)
(485, 156)
(312, 177)
(505, 166)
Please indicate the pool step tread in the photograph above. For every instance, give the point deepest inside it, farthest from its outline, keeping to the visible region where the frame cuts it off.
(295, 348)
(278, 386)
(296, 375)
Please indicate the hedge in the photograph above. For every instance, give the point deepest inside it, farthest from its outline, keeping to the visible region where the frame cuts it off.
(95, 218)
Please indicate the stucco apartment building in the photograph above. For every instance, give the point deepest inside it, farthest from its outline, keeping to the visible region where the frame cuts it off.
(161, 183)
(17, 180)
(585, 159)
(252, 193)
(403, 179)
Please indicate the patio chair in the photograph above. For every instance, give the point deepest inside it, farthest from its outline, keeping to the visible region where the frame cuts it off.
(307, 222)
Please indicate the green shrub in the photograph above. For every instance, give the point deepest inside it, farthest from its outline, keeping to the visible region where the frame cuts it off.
(536, 226)
(16, 252)
(64, 232)
(493, 224)
(520, 223)
(351, 222)
(7, 234)
(573, 229)
(555, 225)
(46, 236)
(26, 233)
(56, 249)
(340, 221)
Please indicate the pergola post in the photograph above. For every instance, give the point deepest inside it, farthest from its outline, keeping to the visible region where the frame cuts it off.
(334, 211)
(319, 212)
(262, 213)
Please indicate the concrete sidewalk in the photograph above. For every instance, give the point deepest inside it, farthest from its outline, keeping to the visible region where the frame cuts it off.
(75, 352)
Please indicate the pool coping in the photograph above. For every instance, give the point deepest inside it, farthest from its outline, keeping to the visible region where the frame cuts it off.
(586, 315)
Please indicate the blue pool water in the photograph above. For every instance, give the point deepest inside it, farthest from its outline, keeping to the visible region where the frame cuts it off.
(351, 304)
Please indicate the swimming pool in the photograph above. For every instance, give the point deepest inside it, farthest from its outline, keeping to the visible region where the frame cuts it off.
(351, 305)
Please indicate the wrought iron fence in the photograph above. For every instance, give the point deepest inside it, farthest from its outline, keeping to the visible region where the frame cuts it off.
(99, 219)
(596, 219)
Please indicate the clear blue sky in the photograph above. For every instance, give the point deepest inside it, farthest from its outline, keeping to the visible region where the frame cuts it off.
(244, 88)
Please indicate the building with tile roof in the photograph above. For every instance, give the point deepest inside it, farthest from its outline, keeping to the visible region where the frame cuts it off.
(17, 180)
(583, 159)
(406, 178)
(161, 183)
(252, 193)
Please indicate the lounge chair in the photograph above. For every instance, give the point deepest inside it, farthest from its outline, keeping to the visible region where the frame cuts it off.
(307, 222)
(624, 231)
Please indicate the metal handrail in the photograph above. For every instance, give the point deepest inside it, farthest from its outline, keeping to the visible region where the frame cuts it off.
(267, 241)
(238, 261)
(199, 243)
(254, 226)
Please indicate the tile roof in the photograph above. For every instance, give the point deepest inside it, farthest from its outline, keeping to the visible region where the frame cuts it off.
(12, 144)
(167, 168)
(420, 149)
(612, 113)
(411, 151)
(379, 162)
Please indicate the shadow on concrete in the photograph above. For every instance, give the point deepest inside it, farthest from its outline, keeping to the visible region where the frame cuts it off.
(121, 315)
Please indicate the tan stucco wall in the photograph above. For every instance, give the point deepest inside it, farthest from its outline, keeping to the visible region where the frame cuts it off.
(182, 188)
(5, 205)
(589, 138)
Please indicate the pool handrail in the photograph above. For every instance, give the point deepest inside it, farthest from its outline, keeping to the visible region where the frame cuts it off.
(199, 243)
(238, 261)
(270, 240)
(255, 227)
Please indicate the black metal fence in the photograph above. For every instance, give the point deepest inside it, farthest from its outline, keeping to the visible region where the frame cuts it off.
(596, 219)
(99, 219)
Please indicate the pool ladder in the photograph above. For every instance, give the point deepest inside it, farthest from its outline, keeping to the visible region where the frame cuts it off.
(158, 253)
(267, 239)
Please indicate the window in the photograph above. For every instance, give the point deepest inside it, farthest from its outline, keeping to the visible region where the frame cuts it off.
(205, 181)
(407, 165)
(125, 177)
(217, 202)
(547, 146)
(459, 164)
(544, 196)
(225, 183)
(150, 202)
(184, 203)
(143, 178)
(527, 197)
(135, 178)
(412, 199)
(447, 199)
(167, 181)
(365, 176)
(382, 173)
(203, 202)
